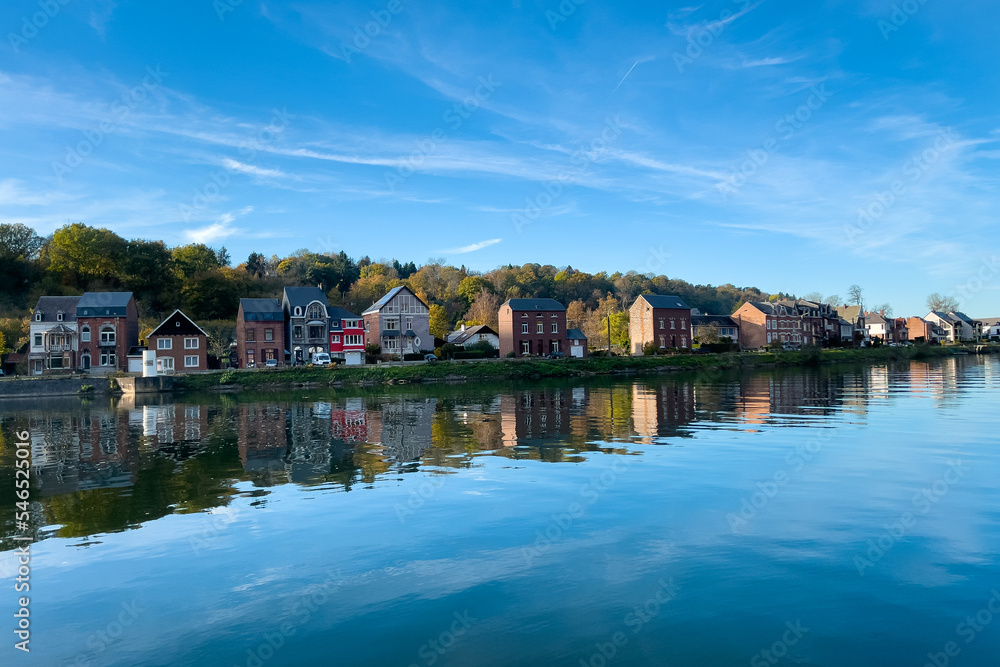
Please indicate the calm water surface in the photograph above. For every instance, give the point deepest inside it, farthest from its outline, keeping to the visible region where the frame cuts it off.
(834, 516)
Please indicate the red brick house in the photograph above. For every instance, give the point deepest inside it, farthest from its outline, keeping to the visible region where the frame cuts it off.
(577, 343)
(347, 336)
(180, 345)
(532, 327)
(108, 324)
(662, 320)
(260, 333)
(764, 323)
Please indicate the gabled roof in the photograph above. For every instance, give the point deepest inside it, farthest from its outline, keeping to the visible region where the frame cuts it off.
(713, 320)
(95, 304)
(664, 301)
(50, 306)
(762, 306)
(262, 310)
(303, 296)
(463, 336)
(941, 316)
(575, 334)
(178, 324)
(874, 318)
(388, 297)
(961, 316)
(534, 304)
(850, 313)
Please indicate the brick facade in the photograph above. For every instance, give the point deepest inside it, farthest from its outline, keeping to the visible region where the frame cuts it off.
(664, 321)
(532, 327)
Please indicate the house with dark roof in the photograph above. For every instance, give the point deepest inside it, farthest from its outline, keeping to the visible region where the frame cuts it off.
(577, 343)
(661, 320)
(260, 333)
(399, 323)
(966, 328)
(465, 336)
(53, 338)
(532, 327)
(307, 322)
(706, 327)
(763, 323)
(108, 324)
(180, 345)
(347, 336)
(951, 327)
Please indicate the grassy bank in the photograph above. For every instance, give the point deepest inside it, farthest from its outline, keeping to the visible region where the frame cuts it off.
(536, 369)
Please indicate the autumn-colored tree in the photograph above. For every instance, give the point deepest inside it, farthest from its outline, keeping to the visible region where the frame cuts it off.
(439, 321)
(485, 309)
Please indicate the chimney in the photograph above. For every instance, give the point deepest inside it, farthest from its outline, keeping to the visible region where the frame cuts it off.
(463, 326)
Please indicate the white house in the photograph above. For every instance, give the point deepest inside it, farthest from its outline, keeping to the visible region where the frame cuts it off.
(469, 336)
(54, 340)
(950, 326)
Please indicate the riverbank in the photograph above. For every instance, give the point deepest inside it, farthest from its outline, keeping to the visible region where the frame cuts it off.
(534, 369)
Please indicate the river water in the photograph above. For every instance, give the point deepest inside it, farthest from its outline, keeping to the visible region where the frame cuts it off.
(822, 516)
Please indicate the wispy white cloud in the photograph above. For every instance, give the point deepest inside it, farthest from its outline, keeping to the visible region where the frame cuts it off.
(471, 248)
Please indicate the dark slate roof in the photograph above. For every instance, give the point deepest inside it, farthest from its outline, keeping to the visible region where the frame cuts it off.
(93, 304)
(945, 318)
(662, 301)
(303, 296)
(262, 310)
(49, 307)
(534, 304)
(464, 336)
(713, 320)
(388, 297)
(575, 334)
(962, 316)
(178, 324)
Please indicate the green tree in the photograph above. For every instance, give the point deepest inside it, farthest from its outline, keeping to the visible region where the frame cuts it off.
(439, 321)
(211, 296)
(18, 242)
(256, 265)
(85, 252)
(193, 259)
(471, 286)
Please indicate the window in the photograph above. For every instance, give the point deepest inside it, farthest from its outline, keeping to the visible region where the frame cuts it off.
(251, 335)
(768, 336)
(298, 311)
(335, 324)
(524, 327)
(334, 339)
(270, 354)
(315, 332)
(107, 359)
(297, 332)
(555, 346)
(59, 317)
(409, 324)
(555, 328)
(684, 341)
(353, 340)
(249, 357)
(38, 317)
(315, 312)
(190, 343)
(38, 340)
(673, 324)
(85, 334)
(164, 344)
(683, 323)
(661, 324)
(191, 361)
(107, 335)
(663, 341)
(268, 334)
(541, 327)
(392, 325)
(525, 346)
(166, 363)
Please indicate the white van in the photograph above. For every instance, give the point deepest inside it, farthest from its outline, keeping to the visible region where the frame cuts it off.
(321, 359)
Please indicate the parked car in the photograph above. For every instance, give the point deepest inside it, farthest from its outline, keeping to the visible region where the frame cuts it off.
(251, 364)
(271, 363)
(430, 357)
(555, 355)
(321, 359)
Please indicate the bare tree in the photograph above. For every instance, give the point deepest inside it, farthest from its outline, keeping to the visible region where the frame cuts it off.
(856, 295)
(885, 309)
(944, 304)
(833, 300)
(485, 310)
(815, 297)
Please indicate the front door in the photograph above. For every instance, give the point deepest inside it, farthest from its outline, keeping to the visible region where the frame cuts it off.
(86, 362)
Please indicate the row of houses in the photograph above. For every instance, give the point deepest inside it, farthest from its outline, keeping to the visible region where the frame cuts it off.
(99, 331)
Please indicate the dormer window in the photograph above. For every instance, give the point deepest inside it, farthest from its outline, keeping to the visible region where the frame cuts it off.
(38, 317)
(298, 311)
(59, 316)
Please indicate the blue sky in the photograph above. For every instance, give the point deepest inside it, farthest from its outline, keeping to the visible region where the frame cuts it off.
(731, 141)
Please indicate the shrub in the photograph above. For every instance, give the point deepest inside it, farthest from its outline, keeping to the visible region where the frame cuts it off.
(227, 377)
(85, 389)
(373, 349)
(649, 349)
(511, 354)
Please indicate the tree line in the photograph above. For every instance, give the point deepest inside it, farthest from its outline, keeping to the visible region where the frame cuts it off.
(206, 284)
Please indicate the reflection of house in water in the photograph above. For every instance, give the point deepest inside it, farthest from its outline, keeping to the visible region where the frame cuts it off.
(662, 410)
(535, 416)
(349, 423)
(262, 436)
(309, 435)
(175, 431)
(76, 453)
(402, 429)
(767, 395)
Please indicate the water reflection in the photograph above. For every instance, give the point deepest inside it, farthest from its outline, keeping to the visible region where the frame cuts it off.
(109, 466)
